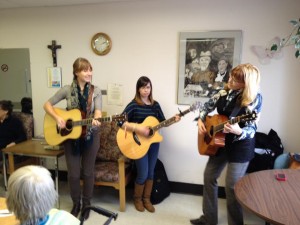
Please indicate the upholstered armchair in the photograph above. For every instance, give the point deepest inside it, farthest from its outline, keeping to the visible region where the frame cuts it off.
(27, 120)
(112, 168)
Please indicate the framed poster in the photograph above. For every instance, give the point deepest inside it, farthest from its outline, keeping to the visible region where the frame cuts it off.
(205, 61)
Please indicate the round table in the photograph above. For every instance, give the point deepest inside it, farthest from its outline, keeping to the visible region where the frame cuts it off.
(277, 202)
(7, 220)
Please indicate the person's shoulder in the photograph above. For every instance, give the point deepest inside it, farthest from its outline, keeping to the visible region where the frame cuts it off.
(258, 97)
(61, 217)
(66, 87)
(155, 102)
(15, 117)
(97, 90)
(133, 102)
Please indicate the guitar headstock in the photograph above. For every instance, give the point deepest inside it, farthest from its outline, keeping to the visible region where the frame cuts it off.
(249, 117)
(119, 117)
(196, 105)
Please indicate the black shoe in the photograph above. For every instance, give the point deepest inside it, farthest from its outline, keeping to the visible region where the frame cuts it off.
(196, 221)
(85, 214)
(199, 221)
(76, 209)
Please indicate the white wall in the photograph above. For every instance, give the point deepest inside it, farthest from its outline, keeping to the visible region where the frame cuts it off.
(145, 38)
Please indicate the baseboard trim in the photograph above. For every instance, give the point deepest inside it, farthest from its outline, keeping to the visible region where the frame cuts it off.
(176, 187)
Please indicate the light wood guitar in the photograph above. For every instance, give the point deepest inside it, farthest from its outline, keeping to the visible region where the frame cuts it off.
(74, 124)
(135, 146)
(210, 142)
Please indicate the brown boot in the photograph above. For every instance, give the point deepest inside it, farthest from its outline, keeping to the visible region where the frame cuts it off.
(147, 193)
(137, 197)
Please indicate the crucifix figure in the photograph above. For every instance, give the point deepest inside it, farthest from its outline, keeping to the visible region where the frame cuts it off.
(53, 48)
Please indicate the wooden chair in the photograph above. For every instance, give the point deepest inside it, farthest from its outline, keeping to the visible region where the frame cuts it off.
(112, 168)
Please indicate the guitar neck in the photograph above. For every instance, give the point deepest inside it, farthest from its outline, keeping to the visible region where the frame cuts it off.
(220, 127)
(89, 121)
(170, 121)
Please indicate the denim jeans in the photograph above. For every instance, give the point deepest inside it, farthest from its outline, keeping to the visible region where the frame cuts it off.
(145, 165)
(213, 170)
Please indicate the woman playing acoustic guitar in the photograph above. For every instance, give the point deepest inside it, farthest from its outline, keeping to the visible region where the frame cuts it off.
(80, 153)
(142, 106)
(241, 96)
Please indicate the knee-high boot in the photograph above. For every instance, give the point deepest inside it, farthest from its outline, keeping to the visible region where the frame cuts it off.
(137, 197)
(147, 194)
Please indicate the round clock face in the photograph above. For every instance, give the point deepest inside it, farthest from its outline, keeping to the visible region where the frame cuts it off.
(101, 43)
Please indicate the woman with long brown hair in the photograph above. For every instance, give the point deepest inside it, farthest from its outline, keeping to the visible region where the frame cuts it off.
(81, 153)
(142, 106)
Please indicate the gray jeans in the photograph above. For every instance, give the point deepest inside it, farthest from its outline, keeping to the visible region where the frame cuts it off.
(213, 170)
(81, 166)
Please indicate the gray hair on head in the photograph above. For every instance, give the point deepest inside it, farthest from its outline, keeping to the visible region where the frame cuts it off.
(30, 194)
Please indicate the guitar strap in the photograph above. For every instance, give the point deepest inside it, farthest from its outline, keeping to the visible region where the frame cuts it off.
(237, 107)
(235, 111)
(89, 101)
(85, 130)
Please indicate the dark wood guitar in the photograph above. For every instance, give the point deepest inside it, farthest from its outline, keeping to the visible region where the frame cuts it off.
(210, 142)
(74, 123)
(135, 146)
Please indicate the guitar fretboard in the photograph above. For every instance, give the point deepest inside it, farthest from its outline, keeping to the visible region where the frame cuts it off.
(220, 127)
(90, 120)
(170, 121)
(234, 120)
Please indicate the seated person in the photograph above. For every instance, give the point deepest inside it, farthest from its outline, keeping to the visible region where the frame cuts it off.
(31, 196)
(11, 128)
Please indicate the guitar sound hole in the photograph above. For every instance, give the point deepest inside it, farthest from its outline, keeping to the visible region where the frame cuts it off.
(151, 132)
(211, 131)
(69, 125)
(207, 139)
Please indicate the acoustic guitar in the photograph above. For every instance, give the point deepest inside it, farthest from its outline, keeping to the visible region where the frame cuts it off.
(74, 123)
(135, 146)
(213, 139)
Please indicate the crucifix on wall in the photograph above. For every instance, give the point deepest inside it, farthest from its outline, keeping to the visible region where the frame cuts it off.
(53, 48)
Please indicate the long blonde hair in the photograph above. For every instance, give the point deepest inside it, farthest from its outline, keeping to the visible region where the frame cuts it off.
(250, 75)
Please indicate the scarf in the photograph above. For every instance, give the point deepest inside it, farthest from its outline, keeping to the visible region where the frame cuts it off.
(79, 101)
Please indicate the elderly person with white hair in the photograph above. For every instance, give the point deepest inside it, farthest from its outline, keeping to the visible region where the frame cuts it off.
(31, 196)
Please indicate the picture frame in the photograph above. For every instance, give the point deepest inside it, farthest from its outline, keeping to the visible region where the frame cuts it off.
(205, 61)
(54, 75)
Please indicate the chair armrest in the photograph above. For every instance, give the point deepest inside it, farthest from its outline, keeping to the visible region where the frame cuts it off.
(121, 159)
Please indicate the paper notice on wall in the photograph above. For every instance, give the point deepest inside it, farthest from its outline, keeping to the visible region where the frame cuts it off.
(54, 77)
(115, 94)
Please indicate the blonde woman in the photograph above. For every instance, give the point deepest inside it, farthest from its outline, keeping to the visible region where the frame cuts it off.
(241, 96)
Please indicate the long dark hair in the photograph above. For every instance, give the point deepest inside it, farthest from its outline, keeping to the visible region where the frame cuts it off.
(142, 82)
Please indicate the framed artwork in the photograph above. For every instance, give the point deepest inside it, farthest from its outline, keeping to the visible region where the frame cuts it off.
(54, 77)
(205, 61)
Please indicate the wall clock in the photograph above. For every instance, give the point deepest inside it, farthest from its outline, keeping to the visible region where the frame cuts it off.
(101, 44)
